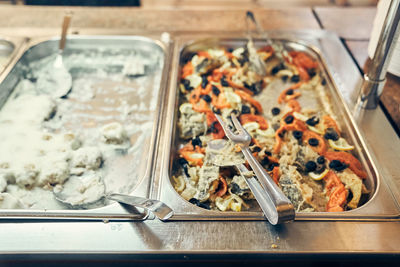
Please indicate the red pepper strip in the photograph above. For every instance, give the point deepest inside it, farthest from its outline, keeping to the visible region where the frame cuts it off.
(245, 118)
(247, 97)
(188, 150)
(275, 174)
(187, 69)
(218, 132)
(321, 148)
(347, 158)
(202, 106)
(206, 90)
(303, 60)
(303, 73)
(218, 73)
(188, 156)
(336, 191)
(203, 54)
(222, 187)
(210, 117)
(297, 125)
(266, 48)
(329, 122)
(294, 105)
(283, 96)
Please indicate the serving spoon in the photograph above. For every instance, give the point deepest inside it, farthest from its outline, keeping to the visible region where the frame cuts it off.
(66, 196)
(57, 81)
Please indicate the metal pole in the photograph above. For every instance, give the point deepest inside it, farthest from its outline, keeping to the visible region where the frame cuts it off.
(375, 77)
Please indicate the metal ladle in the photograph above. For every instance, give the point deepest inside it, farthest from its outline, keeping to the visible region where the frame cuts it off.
(57, 81)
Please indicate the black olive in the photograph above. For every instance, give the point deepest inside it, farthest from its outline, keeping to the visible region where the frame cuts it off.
(204, 206)
(236, 112)
(284, 78)
(216, 110)
(295, 78)
(321, 160)
(215, 90)
(256, 87)
(256, 149)
(320, 169)
(337, 165)
(196, 202)
(184, 163)
(235, 188)
(275, 111)
(275, 70)
(282, 134)
(289, 119)
(204, 81)
(312, 121)
(224, 82)
(188, 57)
(245, 109)
(311, 72)
(297, 134)
(290, 92)
(230, 49)
(323, 82)
(206, 98)
(272, 166)
(196, 142)
(268, 153)
(313, 142)
(265, 161)
(311, 166)
(186, 84)
(331, 134)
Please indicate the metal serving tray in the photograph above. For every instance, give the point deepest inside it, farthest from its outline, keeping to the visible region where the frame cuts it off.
(381, 204)
(9, 47)
(131, 174)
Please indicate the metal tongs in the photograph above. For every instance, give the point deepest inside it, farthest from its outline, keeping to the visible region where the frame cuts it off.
(280, 51)
(276, 206)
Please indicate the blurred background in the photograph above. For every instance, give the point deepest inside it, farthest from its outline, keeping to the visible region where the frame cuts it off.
(167, 4)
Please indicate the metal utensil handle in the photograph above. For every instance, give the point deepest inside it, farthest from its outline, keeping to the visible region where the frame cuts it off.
(267, 182)
(160, 209)
(277, 46)
(266, 203)
(64, 29)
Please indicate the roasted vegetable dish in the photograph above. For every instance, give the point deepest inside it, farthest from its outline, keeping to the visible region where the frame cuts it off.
(296, 135)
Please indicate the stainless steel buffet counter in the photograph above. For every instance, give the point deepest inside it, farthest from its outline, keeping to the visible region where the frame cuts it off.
(182, 240)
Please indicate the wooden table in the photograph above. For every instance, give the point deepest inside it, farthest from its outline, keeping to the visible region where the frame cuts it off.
(354, 26)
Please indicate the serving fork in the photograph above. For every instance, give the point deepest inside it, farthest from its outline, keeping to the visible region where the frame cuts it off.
(276, 207)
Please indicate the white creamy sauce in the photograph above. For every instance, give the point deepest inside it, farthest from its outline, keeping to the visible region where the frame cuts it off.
(95, 140)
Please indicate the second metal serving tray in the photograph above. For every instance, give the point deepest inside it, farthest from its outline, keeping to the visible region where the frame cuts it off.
(381, 204)
(140, 100)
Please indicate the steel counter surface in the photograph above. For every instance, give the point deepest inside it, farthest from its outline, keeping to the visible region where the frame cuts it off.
(147, 240)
